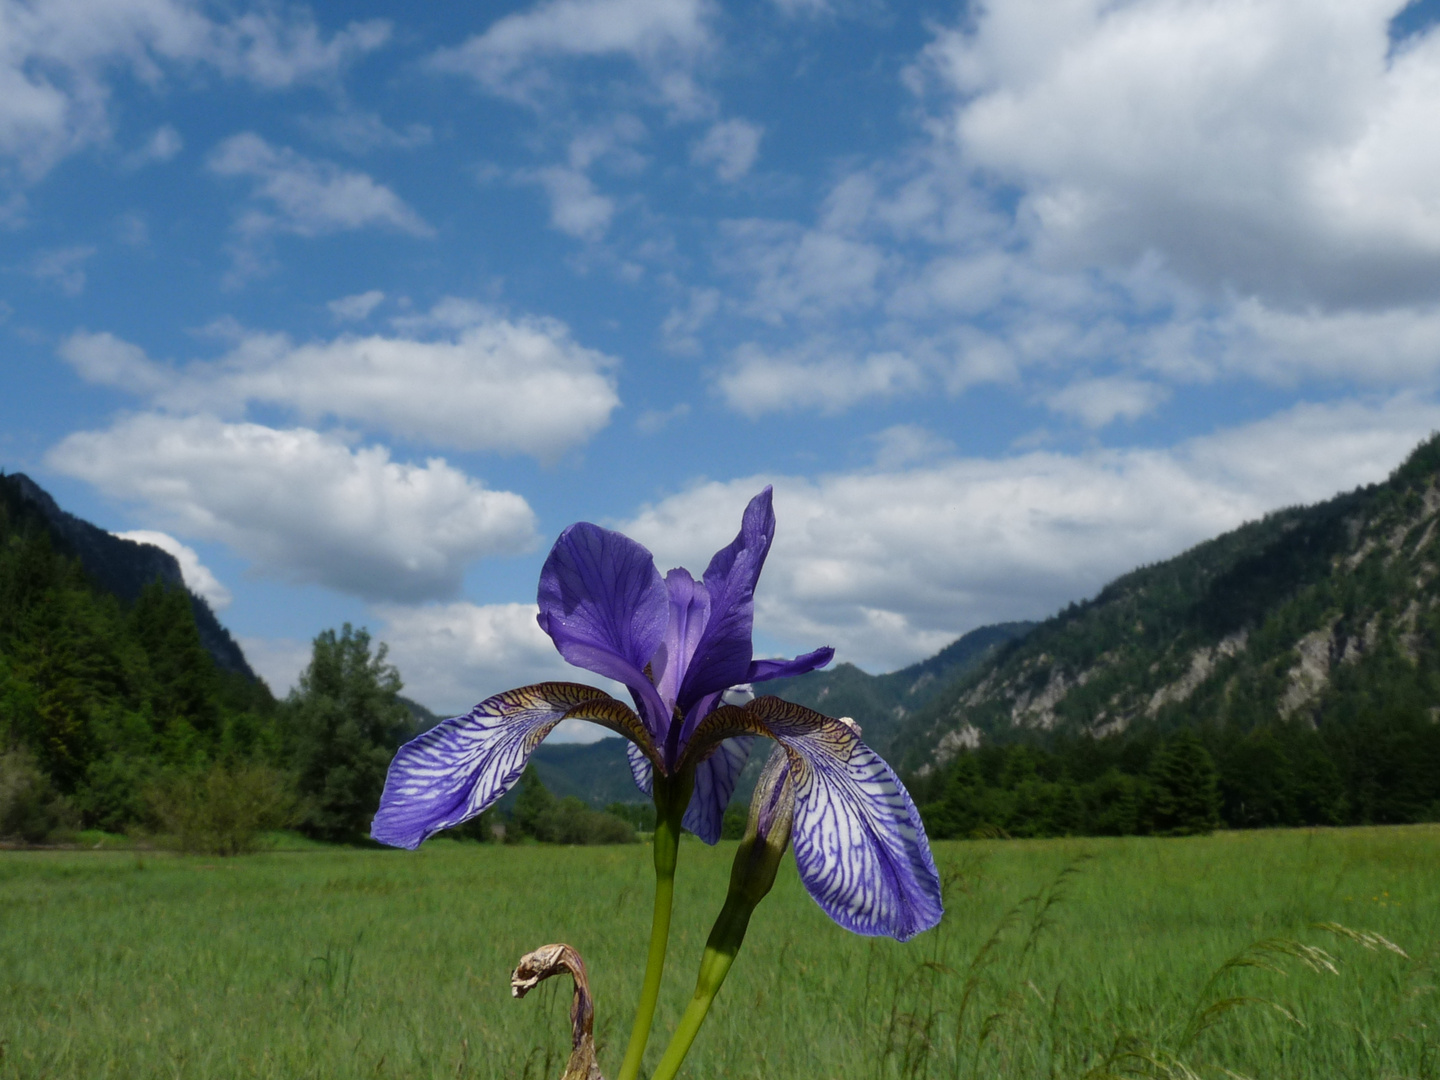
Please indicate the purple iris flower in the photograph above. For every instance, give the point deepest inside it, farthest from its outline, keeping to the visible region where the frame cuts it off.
(679, 645)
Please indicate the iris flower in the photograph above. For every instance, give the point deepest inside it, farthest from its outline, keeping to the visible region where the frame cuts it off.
(679, 645)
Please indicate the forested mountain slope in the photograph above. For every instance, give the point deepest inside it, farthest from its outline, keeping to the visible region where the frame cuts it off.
(118, 566)
(880, 703)
(1323, 617)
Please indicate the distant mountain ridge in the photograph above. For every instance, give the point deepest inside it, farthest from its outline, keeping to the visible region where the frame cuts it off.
(1317, 615)
(122, 567)
(600, 774)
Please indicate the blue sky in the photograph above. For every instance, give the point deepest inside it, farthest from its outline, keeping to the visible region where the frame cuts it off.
(356, 306)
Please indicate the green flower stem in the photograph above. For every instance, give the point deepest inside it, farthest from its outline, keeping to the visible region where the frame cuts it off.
(672, 795)
(720, 950)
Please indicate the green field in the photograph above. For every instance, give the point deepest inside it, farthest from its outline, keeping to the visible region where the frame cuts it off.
(337, 963)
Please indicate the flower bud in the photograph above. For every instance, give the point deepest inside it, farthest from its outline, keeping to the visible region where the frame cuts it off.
(767, 833)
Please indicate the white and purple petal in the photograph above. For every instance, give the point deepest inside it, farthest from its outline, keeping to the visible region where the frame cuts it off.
(859, 844)
(715, 780)
(463, 765)
(604, 605)
(640, 768)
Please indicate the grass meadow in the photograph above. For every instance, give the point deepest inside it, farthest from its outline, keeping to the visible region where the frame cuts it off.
(1060, 958)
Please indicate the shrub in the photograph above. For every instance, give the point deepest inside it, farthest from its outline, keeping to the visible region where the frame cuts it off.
(224, 810)
(30, 807)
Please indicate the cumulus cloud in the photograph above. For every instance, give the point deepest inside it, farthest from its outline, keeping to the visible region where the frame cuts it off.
(304, 506)
(1097, 402)
(576, 208)
(454, 655)
(59, 57)
(729, 147)
(1275, 147)
(63, 267)
(279, 661)
(356, 308)
(306, 197)
(482, 383)
(793, 271)
(758, 382)
(890, 563)
(164, 143)
(663, 36)
(358, 132)
(197, 576)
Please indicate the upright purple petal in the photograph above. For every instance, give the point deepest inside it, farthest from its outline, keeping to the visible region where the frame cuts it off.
(604, 605)
(689, 613)
(715, 780)
(859, 844)
(461, 766)
(764, 670)
(722, 657)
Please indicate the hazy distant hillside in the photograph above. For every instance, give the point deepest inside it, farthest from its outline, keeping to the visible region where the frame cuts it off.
(1324, 615)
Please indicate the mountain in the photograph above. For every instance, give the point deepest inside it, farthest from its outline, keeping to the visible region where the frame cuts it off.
(120, 567)
(599, 773)
(1324, 616)
(880, 703)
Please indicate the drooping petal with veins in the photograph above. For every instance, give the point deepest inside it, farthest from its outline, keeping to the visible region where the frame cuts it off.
(462, 765)
(715, 780)
(859, 844)
(604, 605)
(640, 768)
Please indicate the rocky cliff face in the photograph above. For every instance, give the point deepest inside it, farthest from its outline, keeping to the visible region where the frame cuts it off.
(1279, 619)
(124, 567)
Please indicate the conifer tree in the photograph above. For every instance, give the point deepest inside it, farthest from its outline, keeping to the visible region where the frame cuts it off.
(1186, 788)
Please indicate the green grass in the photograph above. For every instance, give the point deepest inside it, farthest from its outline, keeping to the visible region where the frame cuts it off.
(335, 963)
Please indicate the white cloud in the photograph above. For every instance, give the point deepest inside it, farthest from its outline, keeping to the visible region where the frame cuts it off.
(64, 267)
(356, 308)
(576, 208)
(730, 147)
(494, 384)
(800, 272)
(309, 198)
(304, 506)
(58, 58)
(1394, 346)
(888, 564)
(654, 421)
(816, 378)
(1270, 145)
(453, 656)
(1097, 402)
(105, 359)
(908, 444)
(164, 143)
(198, 577)
(663, 36)
(358, 132)
(279, 661)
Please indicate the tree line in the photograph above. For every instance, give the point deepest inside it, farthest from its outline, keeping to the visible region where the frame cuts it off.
(1379, 766)
(114, 717)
